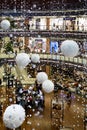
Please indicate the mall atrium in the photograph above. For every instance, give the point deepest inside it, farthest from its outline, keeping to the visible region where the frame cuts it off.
(43, 71)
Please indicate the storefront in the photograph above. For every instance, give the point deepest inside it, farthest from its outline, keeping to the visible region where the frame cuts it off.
(37, 44)
(82, 24)
(54, 47)
(56, 23)
(38, 23)
(69, 23)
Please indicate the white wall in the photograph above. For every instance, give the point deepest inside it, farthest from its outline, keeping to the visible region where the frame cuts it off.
(43, 24)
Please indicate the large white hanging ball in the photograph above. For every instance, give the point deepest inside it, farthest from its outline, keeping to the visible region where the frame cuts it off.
(14, 116)
(22, 60)
(48, 86)
(69, 48)
(41, 77)
(5, 24)
(35, 58)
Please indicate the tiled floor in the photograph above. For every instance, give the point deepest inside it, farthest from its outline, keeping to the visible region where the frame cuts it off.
(41, 120)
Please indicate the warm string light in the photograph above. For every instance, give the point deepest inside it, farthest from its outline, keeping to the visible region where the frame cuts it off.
(78, 111)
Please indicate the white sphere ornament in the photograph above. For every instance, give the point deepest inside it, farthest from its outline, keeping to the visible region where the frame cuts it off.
(14, 116)
(41, 77)
(69, 48)
(22, 60)
(5, 24)
(48, 86)
(33, 66)
(11, 35)
(35, 58)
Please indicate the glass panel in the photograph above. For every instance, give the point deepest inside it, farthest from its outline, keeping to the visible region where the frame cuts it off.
(75, 60)
(66, 58)
(84, 61)
(79, 60)
(45, 56)
(49, 56)
(62, 58)
(57, 57)
(54, 57)
(71, 59)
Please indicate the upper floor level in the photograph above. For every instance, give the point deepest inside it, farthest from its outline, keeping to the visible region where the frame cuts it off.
(44, 5)
(43, 23)
(47, 26)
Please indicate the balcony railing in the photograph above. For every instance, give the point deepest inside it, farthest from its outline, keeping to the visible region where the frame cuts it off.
(54, 58)
(45, 12)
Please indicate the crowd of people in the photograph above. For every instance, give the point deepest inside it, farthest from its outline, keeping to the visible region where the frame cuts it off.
(31, 98)
(69, 78)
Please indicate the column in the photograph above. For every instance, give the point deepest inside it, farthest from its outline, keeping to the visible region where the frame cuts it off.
(48, 45)
(26, 41)
(47, 23)
(48, 70)
(26, 23)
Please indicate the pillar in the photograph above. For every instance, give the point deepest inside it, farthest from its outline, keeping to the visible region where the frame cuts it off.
(26, 41)
(47, 23)
(48, 45)
(48, 70)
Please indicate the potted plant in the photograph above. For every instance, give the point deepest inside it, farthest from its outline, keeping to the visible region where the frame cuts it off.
(9, 47)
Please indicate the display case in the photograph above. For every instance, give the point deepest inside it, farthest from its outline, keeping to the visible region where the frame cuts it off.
(57, 113)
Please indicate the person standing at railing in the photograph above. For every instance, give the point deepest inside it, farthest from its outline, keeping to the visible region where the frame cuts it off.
(28, 26)
(82, 27)
(0, 108)
(68, 98)
(54, 26)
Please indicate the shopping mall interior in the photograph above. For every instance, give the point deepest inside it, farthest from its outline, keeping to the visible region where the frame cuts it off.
(43, 71)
